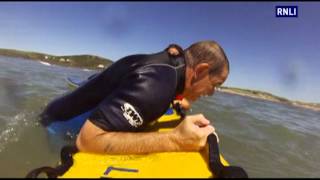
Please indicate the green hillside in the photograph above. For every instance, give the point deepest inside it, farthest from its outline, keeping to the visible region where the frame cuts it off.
(80, 61)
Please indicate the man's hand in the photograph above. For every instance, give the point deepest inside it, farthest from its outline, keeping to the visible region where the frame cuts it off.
(184, 103)
(192, 132)
(190, 135)
(173, 51)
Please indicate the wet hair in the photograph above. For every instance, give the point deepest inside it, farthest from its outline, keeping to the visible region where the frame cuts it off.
(207, 52)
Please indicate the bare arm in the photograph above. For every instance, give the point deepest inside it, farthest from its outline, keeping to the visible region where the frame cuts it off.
(94, 139)
(189, 135)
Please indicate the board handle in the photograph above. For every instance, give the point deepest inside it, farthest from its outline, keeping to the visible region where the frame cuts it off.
(66, 162)
(216, 167)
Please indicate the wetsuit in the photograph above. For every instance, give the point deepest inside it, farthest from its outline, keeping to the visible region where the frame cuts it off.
(126, 96)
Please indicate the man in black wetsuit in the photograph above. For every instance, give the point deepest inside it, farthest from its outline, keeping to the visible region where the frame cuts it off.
(137, 90)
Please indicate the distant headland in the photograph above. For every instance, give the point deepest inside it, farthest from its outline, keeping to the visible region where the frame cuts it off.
(96, 63)
(80, 61)
(269, 97)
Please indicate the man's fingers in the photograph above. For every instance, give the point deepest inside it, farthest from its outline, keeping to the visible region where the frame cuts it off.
(173, 51)
(199, 120)
(210, 129)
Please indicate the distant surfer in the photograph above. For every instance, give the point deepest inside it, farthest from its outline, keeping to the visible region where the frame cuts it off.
(45, 63)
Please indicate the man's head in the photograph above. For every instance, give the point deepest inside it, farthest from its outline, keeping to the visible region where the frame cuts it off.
(207, 68)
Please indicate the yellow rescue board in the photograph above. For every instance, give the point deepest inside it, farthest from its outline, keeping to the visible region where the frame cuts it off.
(155, 165)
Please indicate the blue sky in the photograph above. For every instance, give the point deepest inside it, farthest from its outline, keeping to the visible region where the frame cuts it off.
(278, 55)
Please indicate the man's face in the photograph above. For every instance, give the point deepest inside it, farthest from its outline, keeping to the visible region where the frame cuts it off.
(204, 84)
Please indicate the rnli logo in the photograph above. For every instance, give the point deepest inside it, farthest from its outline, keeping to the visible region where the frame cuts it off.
(131, 115)
(286, 11)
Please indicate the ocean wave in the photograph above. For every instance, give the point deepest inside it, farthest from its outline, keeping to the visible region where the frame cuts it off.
(11, 131)
(45, 63)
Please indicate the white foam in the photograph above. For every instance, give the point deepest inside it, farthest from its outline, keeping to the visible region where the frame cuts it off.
(10, 134)
(45, 63)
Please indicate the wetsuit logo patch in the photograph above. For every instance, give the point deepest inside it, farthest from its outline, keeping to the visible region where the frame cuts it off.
(131, 115)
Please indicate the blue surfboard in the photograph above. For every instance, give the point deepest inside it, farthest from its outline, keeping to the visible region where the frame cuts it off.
(75, 81)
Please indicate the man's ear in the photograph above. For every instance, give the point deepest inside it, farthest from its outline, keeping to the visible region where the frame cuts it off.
(200, 69)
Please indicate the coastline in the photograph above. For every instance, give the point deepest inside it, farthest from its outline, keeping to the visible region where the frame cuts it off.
(269, 97)
(80, 61)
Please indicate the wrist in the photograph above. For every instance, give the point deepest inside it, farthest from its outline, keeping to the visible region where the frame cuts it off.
(175, 140)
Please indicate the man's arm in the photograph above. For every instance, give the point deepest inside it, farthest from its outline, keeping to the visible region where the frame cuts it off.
(189, 135)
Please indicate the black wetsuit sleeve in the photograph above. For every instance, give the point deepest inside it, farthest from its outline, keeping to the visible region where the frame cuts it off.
(141, 97)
